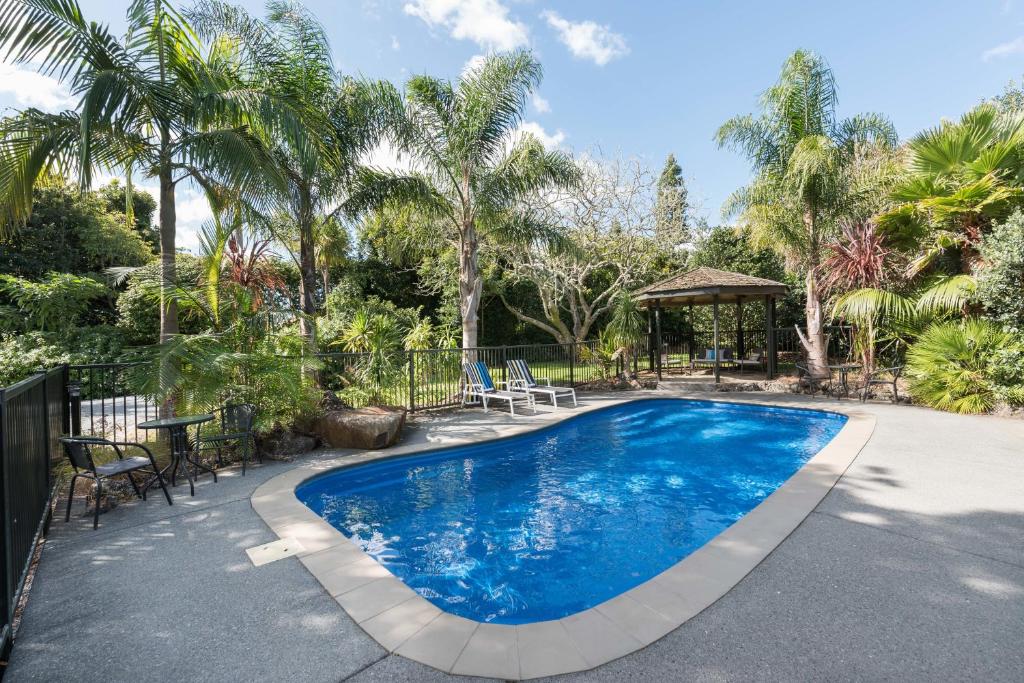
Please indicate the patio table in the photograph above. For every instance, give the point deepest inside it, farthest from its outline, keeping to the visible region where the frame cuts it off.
(844, 370)
(177, 429)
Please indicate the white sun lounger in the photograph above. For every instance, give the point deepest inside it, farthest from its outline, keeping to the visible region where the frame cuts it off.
(523, 380)
(480, 385)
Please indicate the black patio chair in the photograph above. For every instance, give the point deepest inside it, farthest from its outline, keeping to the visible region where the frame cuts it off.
(813, 383)
(79, 452)
(236, 424)
(885, 377)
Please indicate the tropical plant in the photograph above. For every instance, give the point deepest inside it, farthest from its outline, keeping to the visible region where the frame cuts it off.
(802, 157)
(950, 367)
(151, 101)
(469, 167)
(288, 55)
(380, 367)
(961, 177)
(56, 303)
(604, 353)
(627, 326)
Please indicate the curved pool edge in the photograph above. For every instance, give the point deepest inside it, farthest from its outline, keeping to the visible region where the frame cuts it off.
(405, 623)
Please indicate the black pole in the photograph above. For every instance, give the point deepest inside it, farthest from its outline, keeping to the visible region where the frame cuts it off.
(650, 339)
(741, 349)
(657, 336)
(714, 310)
(770, 341)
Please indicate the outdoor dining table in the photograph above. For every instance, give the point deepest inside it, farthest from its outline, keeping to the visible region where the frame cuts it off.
(177, 429)
(844, 370)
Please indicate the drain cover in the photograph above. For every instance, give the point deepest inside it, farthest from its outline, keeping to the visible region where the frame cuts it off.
(277, 550)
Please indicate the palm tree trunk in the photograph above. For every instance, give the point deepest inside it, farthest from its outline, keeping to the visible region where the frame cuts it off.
(307, 275)
(470, 285)
(168, 266)
(814, 342)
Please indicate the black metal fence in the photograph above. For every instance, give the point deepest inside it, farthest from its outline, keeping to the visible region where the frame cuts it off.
(422, 380)
(33, 415)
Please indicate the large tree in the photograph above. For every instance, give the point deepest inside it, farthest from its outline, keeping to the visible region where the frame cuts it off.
(673, 203)
(469, 165)
(288, 55)
(801, 155)
(153, 101)
(617, 241)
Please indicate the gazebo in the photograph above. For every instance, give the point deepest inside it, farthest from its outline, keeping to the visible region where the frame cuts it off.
(703, 286)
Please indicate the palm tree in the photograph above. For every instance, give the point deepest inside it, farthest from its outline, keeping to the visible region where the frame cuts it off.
(802, 158)
(469, 168)
(962, 176)
(288, 54)
(151, 101)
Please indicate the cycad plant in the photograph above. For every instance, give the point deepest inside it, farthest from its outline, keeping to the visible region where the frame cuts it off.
(950, 366)
(627, 326)
(802, 156)
(468, 166)
(154, 102)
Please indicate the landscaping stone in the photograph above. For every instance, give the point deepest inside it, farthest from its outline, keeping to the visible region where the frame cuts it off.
(284, 444)
(370, 428)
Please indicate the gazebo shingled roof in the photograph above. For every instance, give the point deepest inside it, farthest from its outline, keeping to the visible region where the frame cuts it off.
(702, 285)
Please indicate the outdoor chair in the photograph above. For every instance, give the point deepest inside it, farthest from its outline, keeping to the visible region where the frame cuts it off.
(707, 358)
(236, 424)
(480, 385)
(755, 359)
(813, 383)
(79, 452)
(523, 380)
(882, 376)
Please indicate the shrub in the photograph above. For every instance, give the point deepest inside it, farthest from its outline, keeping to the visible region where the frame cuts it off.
(23, 354)
(953, 365)
(1001, 274)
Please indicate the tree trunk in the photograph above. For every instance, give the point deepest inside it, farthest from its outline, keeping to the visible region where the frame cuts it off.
(814, 342)
(470, 285)
(168, 266)
(307, 281)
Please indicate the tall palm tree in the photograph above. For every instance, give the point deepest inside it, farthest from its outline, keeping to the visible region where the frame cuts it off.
(152, 101)
(469, 168)
(801, 156)
(288, 55)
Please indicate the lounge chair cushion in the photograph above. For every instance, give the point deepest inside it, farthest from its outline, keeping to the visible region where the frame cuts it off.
(485, 376)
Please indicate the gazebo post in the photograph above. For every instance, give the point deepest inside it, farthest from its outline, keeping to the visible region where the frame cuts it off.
(691, 342)
(740, 348)
(650, 338)
(769, 322)
(657, 335)
(714, 313)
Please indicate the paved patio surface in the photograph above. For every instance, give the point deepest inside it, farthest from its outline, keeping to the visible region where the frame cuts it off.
(912, 568)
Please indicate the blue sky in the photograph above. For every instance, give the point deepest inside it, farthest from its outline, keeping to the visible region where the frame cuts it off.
(646, 78)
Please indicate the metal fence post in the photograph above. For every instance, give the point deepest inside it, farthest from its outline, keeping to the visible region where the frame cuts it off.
(412, 380)
(572, 364)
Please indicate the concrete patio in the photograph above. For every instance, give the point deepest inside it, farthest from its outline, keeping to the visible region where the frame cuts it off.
(912, 567)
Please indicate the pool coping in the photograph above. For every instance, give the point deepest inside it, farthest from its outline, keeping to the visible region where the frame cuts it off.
(405, 623)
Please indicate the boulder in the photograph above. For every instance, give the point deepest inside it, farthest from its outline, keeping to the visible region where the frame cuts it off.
(283, 444)
(370, 428)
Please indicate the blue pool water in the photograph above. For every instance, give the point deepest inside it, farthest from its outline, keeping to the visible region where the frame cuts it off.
(550, 523)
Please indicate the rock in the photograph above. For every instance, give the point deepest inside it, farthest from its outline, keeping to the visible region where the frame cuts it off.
(283, 444)
(370, 428)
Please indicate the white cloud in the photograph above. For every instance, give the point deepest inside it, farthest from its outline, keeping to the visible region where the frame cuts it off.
(31, 89)
(485, 22)
(1002, 50)
(587, 39)
(539, 103)
(549, 140)
(472, 64)
(395, 45)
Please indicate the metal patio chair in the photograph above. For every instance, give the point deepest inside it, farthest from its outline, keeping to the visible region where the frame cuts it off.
(882, 376)
(236, 424)
(79, 451)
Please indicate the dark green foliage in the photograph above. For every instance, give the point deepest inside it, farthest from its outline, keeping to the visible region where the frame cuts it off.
(113, 195)
(24, 353)
(1001, 273)
(138, 305)
(673, 200)
(70, 232)
(57, 303)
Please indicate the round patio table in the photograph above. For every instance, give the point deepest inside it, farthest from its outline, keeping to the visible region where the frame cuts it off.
(844, 370)
(177, 429)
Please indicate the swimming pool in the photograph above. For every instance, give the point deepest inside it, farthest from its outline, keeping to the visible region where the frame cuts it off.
(550, 523)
